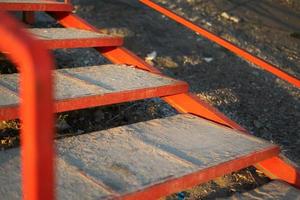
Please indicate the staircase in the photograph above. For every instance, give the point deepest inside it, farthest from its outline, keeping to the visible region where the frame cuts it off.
(146, 160)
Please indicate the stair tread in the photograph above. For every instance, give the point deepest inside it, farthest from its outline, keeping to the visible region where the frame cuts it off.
(94, 86)
(275, 190)
(34, 5)
(30, 1)
(137, 158)
(74, 38)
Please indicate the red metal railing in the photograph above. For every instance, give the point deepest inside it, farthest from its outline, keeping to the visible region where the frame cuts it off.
(37, 148)
(226, 44)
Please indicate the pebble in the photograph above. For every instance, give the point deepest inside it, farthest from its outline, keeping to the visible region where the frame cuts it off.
(99, 116)
(225, 15)
(229, 17)
(151, 56)
(257, 124)
(79, 131)
(208, 59)
(62, 125)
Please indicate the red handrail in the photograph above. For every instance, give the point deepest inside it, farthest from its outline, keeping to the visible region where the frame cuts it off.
(37, 148)
(226, 44)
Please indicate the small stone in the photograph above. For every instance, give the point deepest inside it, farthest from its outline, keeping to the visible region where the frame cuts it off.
(2, 125)
(225, 15)
(99, 116)
(208, 59)
(255, 73)
(167, 62)
(257, 124)
(79, 131)
(208, 24)
(62, 125)
(151, 56)
(235, 19)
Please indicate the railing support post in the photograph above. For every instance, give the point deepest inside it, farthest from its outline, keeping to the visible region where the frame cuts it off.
(37, 148)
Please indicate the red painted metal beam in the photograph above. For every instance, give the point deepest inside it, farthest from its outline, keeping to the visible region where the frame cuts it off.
(189, 103)
(226, 44)
(37, 148)
(170, 187)
(83, 43)
(185, 103)
(37, 6)
(117, 55)
(278, 168)
(11, 112)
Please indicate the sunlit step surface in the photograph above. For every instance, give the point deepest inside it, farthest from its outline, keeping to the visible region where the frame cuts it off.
(143, 160)
(84, 87)
(55, 38)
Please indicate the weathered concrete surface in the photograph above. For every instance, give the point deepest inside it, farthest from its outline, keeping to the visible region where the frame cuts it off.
(133, 157)
(65, 34)
(88, 81)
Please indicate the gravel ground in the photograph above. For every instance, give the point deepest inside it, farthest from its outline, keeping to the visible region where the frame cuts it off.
(263, 104)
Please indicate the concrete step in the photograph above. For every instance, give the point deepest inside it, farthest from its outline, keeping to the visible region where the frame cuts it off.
(145, 160)
(34, 5)
(55, 38)
(84, 87)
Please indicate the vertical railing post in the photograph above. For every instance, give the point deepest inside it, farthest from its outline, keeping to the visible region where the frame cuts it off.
(37, 148)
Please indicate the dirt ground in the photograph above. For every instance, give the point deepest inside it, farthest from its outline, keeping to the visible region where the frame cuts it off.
(263, 104)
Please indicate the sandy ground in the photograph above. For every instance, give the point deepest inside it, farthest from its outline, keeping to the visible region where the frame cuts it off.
(263, 104)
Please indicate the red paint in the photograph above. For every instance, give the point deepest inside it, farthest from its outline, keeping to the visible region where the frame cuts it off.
(40, 6)
(277, 168)
(37, 152)
(83, 43)
(189, 103)
(226, 44)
